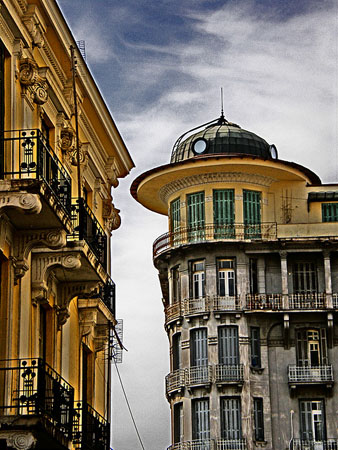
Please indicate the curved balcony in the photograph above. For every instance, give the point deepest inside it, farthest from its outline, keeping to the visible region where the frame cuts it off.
(310, 375)
(198, 376)
(175, 381)
(301, 444)
(201, 305)
(211, 232)
(280, 302)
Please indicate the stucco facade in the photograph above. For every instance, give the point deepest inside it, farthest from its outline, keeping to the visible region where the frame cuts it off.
(248, 272)
(57, 304)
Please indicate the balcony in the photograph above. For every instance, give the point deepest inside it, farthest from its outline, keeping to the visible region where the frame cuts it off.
(328, 444)
(198, 376)
(86, 227)
(335, 301)
(231, 444)
(40, 397)
(225, 374)
(211, 232)
(91, 430)
(201, 305)
(272, 302)
(211, 444)
(175, 381)
(30, 164)
(108, 295)
(311, 300)
(298, 375)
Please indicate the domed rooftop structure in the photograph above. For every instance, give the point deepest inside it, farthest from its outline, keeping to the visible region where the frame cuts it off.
(221, 137)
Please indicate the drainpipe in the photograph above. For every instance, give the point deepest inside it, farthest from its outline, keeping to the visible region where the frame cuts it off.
(291, 422)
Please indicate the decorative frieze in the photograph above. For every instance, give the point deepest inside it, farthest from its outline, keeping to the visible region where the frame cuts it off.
(207, 178)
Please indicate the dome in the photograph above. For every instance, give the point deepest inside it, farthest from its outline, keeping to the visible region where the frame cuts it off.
(220, 137)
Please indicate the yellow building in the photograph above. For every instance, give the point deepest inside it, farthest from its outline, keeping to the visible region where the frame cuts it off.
(249, 278)
(57, 304)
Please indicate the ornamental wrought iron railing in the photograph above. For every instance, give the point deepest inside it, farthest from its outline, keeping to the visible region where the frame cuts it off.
(264, 301)
(274, 302)
(91, 431)
(87, 227)
(108, 295)
(302, 444)
(310, 374)
(175, 380)
(211, 444)
(30, 387)
(231, 444)
(200, 305)
(25, 155)
(198, 375)
(335, 301)
(225, 373)
(213, 232)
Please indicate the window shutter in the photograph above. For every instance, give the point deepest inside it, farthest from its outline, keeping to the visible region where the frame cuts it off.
(231, 418)
(330, 212)
(255, 347)
(228, 346)
(259, 419)
(201, 419)
(196, 219)
(175, 210)
(199, 347)
(252, 213)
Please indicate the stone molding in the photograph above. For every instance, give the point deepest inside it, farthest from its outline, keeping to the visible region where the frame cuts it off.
(207, 178)
(19, 440)
(27, 240)
(24, 202)
(33, 80)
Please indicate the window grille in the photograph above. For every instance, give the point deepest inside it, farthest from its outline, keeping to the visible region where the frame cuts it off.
(258, 419)
(330, 212)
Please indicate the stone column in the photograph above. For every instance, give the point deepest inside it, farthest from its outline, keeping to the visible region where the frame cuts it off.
(328, 280)
(284, 274)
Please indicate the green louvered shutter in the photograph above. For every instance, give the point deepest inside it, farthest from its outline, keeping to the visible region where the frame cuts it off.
(175, 219)
(252, 214)
(330, 212)
(224, 213)
(196, 216)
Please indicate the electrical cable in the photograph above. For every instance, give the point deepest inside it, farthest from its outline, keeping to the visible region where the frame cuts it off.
(129, 408)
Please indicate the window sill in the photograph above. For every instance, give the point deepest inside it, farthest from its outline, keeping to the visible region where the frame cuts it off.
(258, 370)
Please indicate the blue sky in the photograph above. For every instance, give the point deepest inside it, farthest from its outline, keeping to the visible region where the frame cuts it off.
(160, 65)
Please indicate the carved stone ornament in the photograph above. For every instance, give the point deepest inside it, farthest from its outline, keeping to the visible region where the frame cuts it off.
(19, 440)
(111, 217)
(67, 136)
(111, 171)
(23, 202)
(33, 78)
(35, 25)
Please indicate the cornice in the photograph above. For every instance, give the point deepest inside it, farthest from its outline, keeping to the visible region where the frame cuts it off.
(218, 177)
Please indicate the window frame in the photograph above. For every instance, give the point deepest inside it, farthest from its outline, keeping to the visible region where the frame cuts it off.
(226, 270)
(252, 213)
(255, 348)
(178, 422)
(197, 432)
(224, 213)
(330, 212)
(175, 284)
(258, 411)
(192, 290)
(175, 215)
(177, 351)
(196, 215)
(199, 353)
(226, 432)
(228, 342)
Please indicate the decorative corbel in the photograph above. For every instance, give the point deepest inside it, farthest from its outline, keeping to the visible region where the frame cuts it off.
(111, 171)
(66, 139)
(110, 215)
(33, 79)
(23, 202)
(35, 25)
(19, 440)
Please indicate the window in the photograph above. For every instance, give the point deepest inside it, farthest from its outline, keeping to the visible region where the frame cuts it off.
(175, 280)
(228, 349)
(199, 347)
(177, 351)
(255, 345)
(224, 213)
(253, 276)
(200, 420)
(312, 420)
(178, 423)
(2, 104)
(231, 428)
(196, 219)
(258, 419)
(304, 278)
(226, 277)
(197, 279)
(330, 212)
(252, 214)
(311, 347)
(175, 215)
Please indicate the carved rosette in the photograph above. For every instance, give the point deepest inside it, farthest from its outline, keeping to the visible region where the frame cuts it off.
(19, 440)
(32, 78)
(111, 217)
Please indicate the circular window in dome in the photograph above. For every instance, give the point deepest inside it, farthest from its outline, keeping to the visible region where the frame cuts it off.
(199, 146)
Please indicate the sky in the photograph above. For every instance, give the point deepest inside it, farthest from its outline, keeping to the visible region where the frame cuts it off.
(160, 66)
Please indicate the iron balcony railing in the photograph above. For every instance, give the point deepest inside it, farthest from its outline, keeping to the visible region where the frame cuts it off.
(30, 387)
(203, 375)
(229, 373)
(25, 155)
(302, 444)
(214, 232)
(200, 305)
(108, 295)
(335, 301)
(91, 430)
(87, 227)
(309, 300)
(211, 444)
(231, 444)
(310, 374)
(264, 301)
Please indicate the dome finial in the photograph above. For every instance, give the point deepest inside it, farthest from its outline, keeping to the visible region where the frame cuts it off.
(222, 110)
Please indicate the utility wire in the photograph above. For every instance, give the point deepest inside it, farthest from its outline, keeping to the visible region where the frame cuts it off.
(129, 408)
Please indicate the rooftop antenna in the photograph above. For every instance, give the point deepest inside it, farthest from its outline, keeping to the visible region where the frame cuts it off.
(82, 48)
(74, 73)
